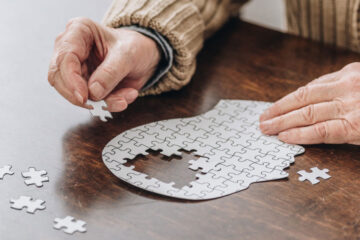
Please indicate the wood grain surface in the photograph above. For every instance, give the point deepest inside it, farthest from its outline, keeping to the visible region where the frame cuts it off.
(242, 61)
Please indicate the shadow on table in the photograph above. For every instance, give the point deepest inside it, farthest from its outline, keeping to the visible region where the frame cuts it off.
(86, 179)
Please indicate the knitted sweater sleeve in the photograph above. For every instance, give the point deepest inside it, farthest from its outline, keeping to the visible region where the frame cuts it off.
(184, 23)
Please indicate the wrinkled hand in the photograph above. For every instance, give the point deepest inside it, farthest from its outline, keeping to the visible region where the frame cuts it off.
(327, 110)
(97, 62)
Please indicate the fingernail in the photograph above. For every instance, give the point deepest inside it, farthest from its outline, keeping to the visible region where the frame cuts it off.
(79, 97)
(131, 95)
(265, 126)
(97, 90)
(283, 136)
(119, 106)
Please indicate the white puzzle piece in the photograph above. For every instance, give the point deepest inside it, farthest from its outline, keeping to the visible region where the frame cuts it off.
(314, 175)
(70, 225)
(28, 203)
(34, 177)
(5, 170)
(98, 110)
(234, 153)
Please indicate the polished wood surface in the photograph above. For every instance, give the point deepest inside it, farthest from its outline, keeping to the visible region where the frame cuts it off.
(242, 61)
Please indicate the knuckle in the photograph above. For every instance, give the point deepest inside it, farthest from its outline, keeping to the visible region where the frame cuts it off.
(51, 78)
(110, 71)
(308, 114)
(339, 106)
(322, 130)
(302, 93)
(355, 66)
(353, 82)
(78, 21)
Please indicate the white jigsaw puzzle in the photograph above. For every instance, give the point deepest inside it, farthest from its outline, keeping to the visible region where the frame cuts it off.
(314, 175)
(234, 153)
(99, 111)
(70, 225)
(34, 177)
(5, 170)
(28, 203)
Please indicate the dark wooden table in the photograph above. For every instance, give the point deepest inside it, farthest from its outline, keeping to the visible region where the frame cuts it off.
(242, 61)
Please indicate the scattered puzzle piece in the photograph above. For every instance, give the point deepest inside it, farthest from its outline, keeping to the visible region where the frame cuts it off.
(28, 203)
(34, 177)
(98, 110)
(233, 153)
(313, 175)
(5, 171)
(70, 225)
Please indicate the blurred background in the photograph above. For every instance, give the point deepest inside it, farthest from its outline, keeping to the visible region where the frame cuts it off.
(267, 13)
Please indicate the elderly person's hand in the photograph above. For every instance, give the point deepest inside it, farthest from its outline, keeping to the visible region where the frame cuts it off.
(327, 110)
(97, 62)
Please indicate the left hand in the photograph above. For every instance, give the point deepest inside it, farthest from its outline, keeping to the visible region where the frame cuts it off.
(327, 110)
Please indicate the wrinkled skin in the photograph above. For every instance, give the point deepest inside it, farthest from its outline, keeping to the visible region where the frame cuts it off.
(97, 62)
(327, 110)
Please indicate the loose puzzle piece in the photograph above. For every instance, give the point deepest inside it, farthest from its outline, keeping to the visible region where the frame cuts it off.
(5, 171)
(28, 203)
(70, 225)
(99, 111)
(314, 175)
(34, 177)
(233, 151)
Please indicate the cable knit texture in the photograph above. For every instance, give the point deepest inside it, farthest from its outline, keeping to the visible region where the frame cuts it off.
(187, 23)
(334, 22)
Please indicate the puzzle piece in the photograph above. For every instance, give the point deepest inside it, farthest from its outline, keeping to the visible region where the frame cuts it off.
(314, 175)
(233, 153)
(98, 110)
(70, 225)
(5, 171)
(34, 177)
(28, 203)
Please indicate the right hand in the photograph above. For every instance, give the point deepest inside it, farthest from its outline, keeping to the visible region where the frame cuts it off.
(97, 62)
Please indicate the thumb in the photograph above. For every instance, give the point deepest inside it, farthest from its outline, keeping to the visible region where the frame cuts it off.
(107, 75)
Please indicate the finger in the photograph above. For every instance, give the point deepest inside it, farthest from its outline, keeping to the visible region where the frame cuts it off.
(330, 77)
(64, 91)
(305, 116)
(332, 131)
(119, 100)
(107, 76)
(71, 49)
(302, 97)
(71, 72)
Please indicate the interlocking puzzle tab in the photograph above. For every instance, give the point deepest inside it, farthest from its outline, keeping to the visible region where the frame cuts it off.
(233, 151)
(5, 170)
(28, 203)
(314, 175)
(34, 177)
(70, 225)
(99, 111)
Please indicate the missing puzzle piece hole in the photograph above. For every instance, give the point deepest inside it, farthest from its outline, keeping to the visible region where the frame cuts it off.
(166, 169)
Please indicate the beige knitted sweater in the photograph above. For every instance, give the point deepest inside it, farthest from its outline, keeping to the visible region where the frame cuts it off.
(187, 23)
